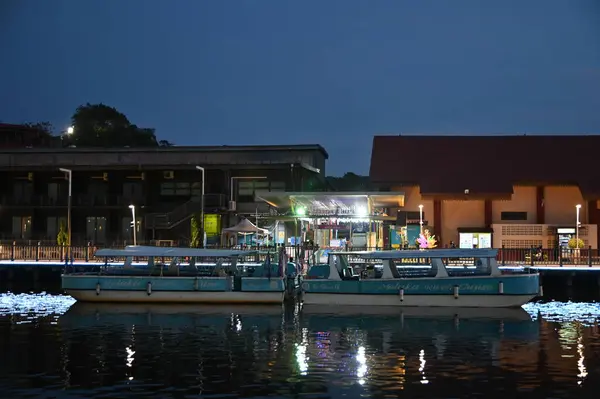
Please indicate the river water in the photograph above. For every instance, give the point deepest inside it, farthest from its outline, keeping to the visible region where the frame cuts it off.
(51, 347)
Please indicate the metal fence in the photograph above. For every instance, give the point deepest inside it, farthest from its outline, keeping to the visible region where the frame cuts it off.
(506, 256)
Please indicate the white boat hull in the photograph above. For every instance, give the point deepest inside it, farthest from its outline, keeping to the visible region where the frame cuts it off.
(177, 296)
(468, 301)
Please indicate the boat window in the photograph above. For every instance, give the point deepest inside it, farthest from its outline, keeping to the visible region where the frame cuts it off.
(468, 267)
(417, 267)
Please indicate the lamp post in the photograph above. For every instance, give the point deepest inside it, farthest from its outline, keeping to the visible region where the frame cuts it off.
(420, 219)
(577, 208)
(69, 174)
(133, 224)
(201, 169)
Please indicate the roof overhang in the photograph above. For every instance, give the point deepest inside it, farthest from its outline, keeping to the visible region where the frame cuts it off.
(322, 203)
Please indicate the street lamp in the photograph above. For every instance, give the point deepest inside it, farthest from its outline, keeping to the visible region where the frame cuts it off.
(578, 208)
(69, 174)
(201, 169)
(133, 224)
(70, 130)
(421, 219)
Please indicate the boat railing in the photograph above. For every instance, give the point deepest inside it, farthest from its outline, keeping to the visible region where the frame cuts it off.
(114, 260)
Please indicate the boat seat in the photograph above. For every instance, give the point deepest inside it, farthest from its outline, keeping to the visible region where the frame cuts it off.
(348, 274)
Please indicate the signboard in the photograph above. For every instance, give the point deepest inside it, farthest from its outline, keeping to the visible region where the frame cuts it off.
(475, 240)
(395, 237)
(212, 224)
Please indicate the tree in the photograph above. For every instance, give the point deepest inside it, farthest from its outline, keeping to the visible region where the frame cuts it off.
(44, 128)
(99, 125)
(195, 227)
(165, 143)
(349, 182)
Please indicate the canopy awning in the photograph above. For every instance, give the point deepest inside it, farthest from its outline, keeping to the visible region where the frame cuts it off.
(245, 226)
(321, 203)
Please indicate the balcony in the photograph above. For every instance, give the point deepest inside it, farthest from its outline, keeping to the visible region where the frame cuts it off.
(78, 200)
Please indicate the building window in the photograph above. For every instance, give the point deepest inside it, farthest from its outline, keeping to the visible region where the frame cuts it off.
(133, 191)
(96, 229)
(21, 226)
(513, 216)
(22, 192)
(248, 188)
(277, 186)
(175, 189)
(127, 233)
(53, 226)
(53, 192)
(98, 192)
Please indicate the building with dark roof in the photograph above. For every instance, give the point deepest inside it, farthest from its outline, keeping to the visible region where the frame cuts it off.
(519, 191)
(162, 183)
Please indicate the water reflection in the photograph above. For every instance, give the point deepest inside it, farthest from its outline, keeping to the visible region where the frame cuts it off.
(178, 351)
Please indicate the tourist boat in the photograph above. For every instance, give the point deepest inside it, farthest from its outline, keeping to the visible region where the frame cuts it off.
(430, 277)
(219, 280)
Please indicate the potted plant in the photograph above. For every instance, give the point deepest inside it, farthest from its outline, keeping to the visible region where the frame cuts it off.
(195, 232)
(62, 238)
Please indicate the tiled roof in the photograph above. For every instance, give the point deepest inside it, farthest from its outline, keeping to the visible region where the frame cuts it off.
(486, 165)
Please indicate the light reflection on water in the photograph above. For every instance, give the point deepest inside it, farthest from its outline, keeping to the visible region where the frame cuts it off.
(547, 350)
(29, 307)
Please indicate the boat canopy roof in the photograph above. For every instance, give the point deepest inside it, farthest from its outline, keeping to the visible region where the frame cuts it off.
(140, 250)
(426, 253)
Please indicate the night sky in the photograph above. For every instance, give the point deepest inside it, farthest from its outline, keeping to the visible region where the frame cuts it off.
(315, 71)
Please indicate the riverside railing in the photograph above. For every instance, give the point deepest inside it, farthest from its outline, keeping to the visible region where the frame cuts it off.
(506, 256)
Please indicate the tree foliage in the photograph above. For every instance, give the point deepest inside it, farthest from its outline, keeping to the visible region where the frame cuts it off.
(349, 182)
(99, 125)
(195, 230)
(44, 128)
(62, 238)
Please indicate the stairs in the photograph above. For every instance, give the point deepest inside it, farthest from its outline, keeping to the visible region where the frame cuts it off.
(182, 213)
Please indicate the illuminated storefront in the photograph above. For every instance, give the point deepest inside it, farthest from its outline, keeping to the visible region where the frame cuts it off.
(334, 220)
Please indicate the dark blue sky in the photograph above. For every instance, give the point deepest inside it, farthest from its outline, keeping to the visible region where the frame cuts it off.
(313, 71)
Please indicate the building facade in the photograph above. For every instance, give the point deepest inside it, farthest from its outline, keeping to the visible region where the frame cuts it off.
(497, 191)
(163, 184)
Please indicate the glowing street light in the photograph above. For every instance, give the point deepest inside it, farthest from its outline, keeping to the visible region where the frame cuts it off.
(577, 208)
(70, 130)
(201, 169)
(133, 224)
(69, 174)
(421, 219)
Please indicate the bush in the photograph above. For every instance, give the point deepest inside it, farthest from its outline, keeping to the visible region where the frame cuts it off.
(574, 243)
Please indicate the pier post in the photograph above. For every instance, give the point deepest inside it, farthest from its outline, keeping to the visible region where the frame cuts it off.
(37, 252)
(560, 258)
(12, 251)
(87, 252)
(531, 256)
(502, 260)
(590, 256)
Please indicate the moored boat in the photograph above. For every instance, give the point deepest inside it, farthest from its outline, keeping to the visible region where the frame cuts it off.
(422, 278)
(209, 276)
